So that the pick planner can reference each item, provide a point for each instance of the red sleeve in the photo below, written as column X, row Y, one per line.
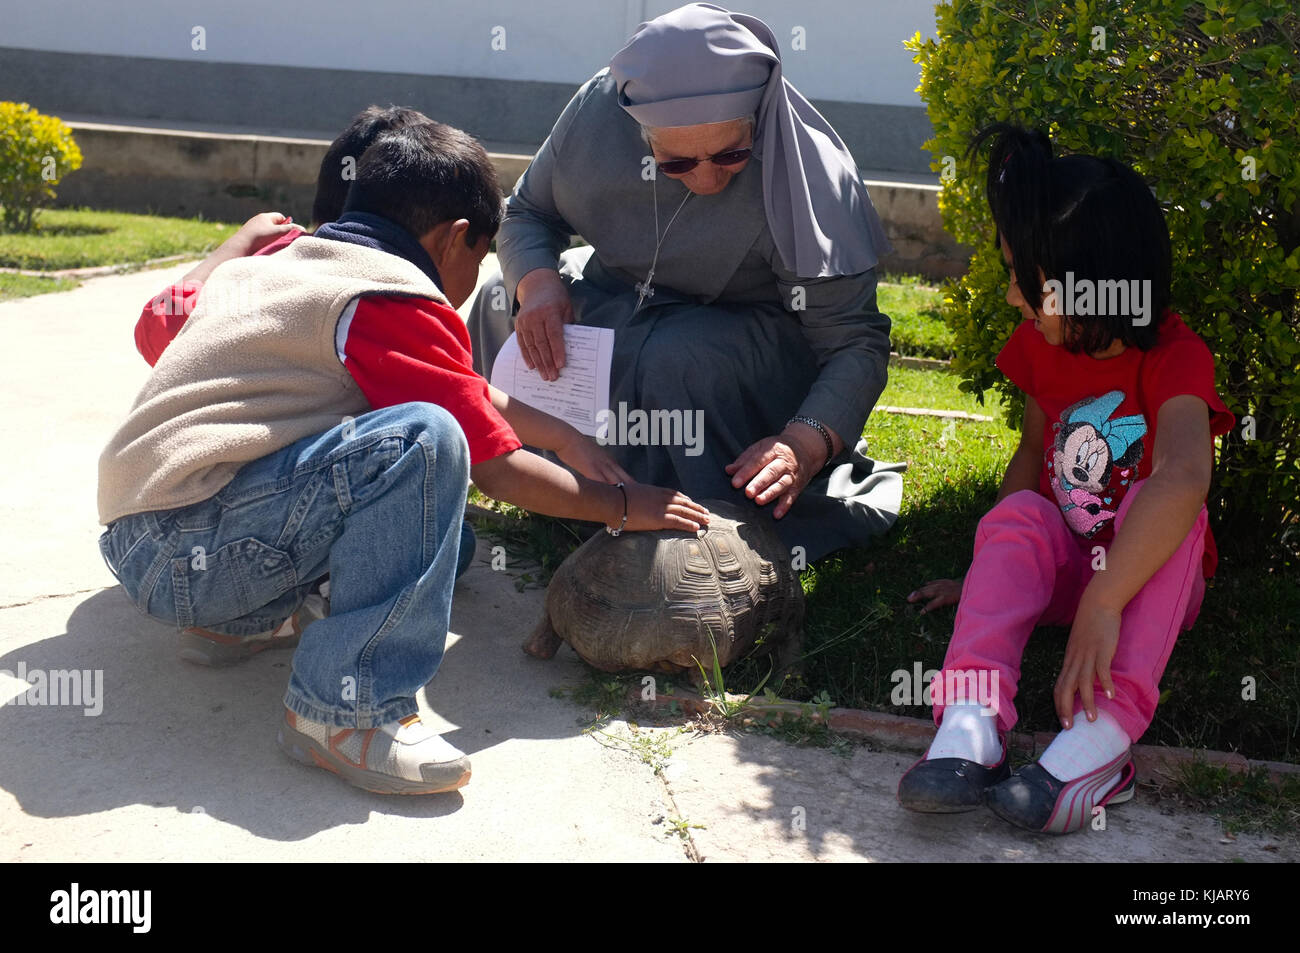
column 284, row 241
column 1015, row 360
column 163, row 317
column 1184, row 366
column 406, row 349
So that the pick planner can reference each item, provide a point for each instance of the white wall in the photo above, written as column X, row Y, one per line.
column 854, row 47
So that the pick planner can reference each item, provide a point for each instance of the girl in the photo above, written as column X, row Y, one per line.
column 1100, row 521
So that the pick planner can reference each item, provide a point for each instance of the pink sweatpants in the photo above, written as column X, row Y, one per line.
column 1029, row 569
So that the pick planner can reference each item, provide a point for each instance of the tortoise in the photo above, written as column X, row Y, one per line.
column 650, row 601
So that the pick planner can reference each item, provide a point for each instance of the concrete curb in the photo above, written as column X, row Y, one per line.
column 918, row 363
column 230, row 176
column 928, row 412
column 915, row 734
column 96, row 271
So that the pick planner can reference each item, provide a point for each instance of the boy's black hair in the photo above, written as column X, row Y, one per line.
column 426, row 174
column 1083, row 214
column 336, row 173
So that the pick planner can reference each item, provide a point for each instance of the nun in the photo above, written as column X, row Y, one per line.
column 732, row 247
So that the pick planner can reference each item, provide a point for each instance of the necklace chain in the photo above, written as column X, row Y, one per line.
column 645, row 289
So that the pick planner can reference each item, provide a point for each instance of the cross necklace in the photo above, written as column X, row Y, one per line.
column 645, row 289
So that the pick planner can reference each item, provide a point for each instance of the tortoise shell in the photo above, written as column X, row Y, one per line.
column 651, row 600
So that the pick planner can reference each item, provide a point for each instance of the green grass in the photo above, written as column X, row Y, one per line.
column 913, row 307
column 1245, row 803
column 935, row 389
column 81, row 238
column 24, row 286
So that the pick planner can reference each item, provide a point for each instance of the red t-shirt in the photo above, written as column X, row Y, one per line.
column 1099, row 438
column 398, row 349
column 164, row 315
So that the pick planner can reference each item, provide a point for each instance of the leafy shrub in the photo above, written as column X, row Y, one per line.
column 36, row 151
column 1202, row 100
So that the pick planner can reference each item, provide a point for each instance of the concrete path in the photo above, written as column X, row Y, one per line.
column 181, row 764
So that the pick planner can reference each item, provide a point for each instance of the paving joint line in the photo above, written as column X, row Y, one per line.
column 55, row 595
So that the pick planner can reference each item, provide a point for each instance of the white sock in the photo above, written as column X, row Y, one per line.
column 967, row 732
column 1085, row 747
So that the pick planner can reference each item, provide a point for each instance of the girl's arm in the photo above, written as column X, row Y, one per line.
column 1026, row 463
column 1155, row 526
column 539, row 429
column 1022, row 474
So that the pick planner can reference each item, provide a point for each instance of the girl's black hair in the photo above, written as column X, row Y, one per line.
column 336, row 174
column 1079, row 214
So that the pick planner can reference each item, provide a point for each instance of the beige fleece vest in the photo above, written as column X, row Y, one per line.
column 253, row 370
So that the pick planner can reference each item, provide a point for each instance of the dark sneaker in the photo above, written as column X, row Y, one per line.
column 949, row 785
column 1036, row 801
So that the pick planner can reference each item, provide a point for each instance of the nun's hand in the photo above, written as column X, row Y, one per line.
column 778, row 468
column 544, row 310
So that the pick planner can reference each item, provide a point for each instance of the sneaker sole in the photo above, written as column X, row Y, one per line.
column 197, row 650
column 305, row 749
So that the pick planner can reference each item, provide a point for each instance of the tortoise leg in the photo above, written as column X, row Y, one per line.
column 788, row 656
column 544, row 641
column 696, row 679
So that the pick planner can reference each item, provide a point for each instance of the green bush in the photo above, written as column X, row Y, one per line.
column 1197, row 98
column 36, row 151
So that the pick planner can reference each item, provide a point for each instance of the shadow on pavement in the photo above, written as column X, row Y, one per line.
column 203, row 740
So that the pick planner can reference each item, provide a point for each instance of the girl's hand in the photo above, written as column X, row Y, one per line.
column 1093, row 638
column 939, row 592
column 654, row 507
column 592, row 461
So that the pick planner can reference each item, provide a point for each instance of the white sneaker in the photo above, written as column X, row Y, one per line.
column 402, row 757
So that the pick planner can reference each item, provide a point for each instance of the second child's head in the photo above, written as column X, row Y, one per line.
column 437, row 183
column 338, row 167
column 1084, row 240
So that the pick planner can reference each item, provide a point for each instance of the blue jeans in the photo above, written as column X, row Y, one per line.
column 377, row 503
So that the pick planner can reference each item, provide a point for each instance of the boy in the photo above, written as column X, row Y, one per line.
column 165, row 314
column 318, row 413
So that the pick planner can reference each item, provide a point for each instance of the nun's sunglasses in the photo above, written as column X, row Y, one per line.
column 682, row 166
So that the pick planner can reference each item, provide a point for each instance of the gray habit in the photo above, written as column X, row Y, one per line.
column 729, row 331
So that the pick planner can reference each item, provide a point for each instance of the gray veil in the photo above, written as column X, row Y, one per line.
column 702, row 64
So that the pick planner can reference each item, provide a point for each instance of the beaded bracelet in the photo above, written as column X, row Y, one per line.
column 616, row 532
column 820, row 428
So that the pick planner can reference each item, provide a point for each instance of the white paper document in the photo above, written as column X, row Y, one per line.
column 582, row 390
